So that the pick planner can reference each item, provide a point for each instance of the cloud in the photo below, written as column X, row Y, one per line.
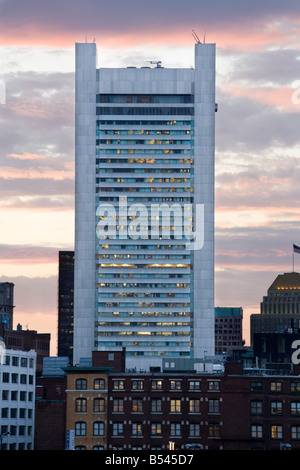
column 122, row 23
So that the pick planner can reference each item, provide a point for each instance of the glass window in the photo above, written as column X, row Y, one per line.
column 80, row 428
column 118, row 429
column 276, row 386
column 276, row 431
column 213, row 406
column 156, row 429
column 137, row 429
column 98, row 428
column 214, row 430
column 213, row 385
column 295, row 432
column 99, row 384
column 194, row 385
column 156, row 385
column 137, row 385
column 175, row 406
column 194, row 405
column 118, row 405
column 175, row 429
column 81, row 384
column 156, row 406
column 276, row 407
column 80, row 405
column 295, row 408
column 99, row 405
column 175, row 384
column 256, row 431
column 194, row 430
column 137, row 405
column 119, row 385
column 256, row 407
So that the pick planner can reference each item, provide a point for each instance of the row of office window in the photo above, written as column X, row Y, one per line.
column 276, row 408
column 137, row 405
column 138, row 384
column 137, row 429
column 257, row 431
column 275, row 386
column 17, row 378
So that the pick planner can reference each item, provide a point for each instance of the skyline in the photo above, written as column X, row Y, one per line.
column 257, row 134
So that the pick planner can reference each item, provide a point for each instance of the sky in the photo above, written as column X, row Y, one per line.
column 257, row 133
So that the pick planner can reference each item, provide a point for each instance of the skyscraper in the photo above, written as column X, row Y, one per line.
column 280, row 308
column 65, row 304
column 144, row 203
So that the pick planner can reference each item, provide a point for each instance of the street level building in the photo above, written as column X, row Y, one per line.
column 144, row 204
column 17, row 399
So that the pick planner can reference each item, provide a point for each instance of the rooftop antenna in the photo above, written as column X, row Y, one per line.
column 195, row 37
column 158, row 63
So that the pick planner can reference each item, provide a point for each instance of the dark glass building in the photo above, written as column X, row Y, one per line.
column 65, row 304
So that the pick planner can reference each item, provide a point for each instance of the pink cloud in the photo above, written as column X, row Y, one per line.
column 35, row 173
column 27, row 156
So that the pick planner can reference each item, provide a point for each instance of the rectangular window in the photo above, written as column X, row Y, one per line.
column 255, row 386
column 213, row 385
column 175, row 429
column 137, row 406
column 119, row 385
column 213, row 406
column 80, row 428
column 137, row 385
column 156, row 406
column 194, row 406
column 156, row 429
column 137, row 429
column 276, row 407
column 276, row 386
column 194, row 430
column 295, row 432
column 118, row 429
column 156, row 385
column 276, row 431
column 194, row 385
column 214, row 430
column 256, row 431
column 118, row 405
column 256, row 407
column 295, row 408
column 175, row 406
column 175, row 384
column 98, row 428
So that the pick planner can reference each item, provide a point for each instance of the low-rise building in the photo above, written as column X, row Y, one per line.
column 17, row 399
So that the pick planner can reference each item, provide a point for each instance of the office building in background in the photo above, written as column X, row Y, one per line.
column 65, row 304
column 144, row 204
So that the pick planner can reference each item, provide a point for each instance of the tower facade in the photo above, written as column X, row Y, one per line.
column 280, row 308
column 144, row 203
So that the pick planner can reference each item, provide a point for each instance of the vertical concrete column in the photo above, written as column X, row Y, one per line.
column 204, row 188
column 85, row 200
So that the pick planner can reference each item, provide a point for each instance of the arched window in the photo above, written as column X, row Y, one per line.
column 99, row 384
column 81, row 384
column 80, row 405
column 99, row 405
column 98, row 428
column 80, row 428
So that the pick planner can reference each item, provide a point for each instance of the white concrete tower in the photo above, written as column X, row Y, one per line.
column 144, row 159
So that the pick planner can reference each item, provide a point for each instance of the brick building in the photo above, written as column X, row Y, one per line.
column 239, row 409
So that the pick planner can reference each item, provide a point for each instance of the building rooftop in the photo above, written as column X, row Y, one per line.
column 286, row 281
